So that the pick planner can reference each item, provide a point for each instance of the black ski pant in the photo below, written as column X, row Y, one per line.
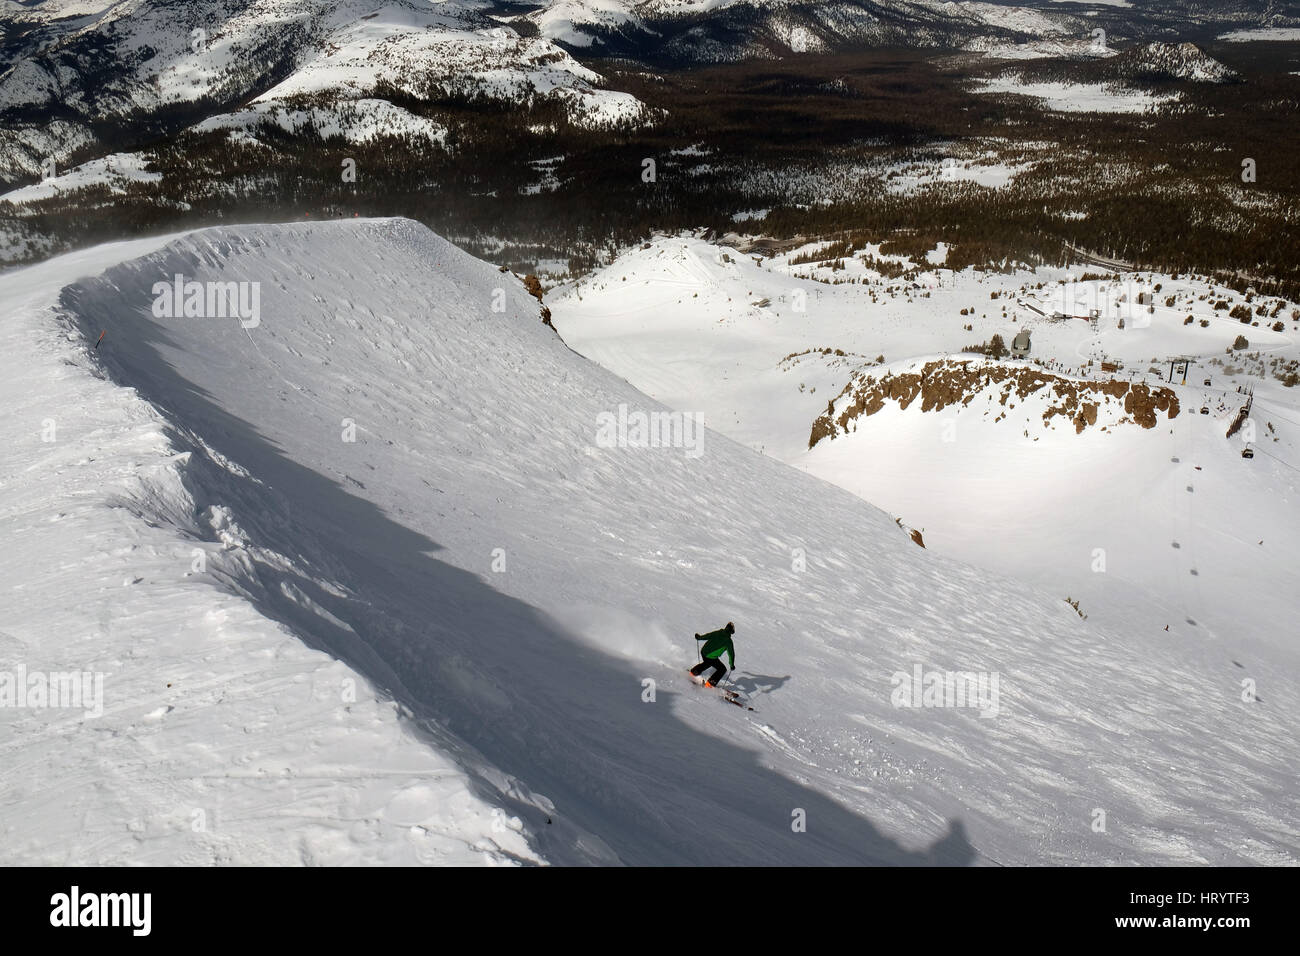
column 716, row 663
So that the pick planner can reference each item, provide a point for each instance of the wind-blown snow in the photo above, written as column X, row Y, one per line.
column 514, row 580
column 222, row 737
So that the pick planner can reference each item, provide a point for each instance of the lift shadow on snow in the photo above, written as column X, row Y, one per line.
column 546, row 725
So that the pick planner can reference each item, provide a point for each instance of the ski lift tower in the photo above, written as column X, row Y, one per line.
column 1180, row 366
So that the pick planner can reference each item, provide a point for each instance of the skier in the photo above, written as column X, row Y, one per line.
column 716, row 643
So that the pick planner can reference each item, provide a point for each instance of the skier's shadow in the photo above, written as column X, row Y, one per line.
column 755, row 684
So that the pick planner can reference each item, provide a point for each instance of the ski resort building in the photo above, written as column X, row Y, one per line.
column 1020, row 344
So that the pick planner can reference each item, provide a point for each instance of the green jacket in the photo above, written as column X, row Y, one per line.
column 717, row 643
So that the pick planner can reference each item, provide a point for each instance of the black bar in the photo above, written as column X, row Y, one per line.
column 382, row 907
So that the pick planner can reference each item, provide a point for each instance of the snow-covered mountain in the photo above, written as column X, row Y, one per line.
column 725, row 30
column 82, row 80
column 158, row 65
column 1137, row 64
column 380, row 452
column 1170, row 61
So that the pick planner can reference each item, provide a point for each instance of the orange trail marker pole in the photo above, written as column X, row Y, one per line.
column 101, row 338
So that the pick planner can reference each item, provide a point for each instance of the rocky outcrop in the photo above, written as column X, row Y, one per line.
column 534, row 287
column 944, row 383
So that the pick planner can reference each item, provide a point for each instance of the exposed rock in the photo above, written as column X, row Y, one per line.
column 534, row 287
column 945, row 383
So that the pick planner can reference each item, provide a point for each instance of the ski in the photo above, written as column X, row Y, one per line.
column 731, row 697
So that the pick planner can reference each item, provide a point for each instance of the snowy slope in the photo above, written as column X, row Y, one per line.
column 1191, row 535
column 480, row 553
column 215, row 735
column 357, row 121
